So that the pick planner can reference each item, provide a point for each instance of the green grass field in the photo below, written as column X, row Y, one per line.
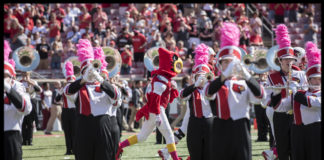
column 53, row 148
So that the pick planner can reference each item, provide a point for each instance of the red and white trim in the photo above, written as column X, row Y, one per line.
column 314, row 71
column 262, row 92
column 70, row 78
column 23, row 106
column 286, row 52
column 9, row 69
column 85, row 63
column 308, row 102
column 202, row 68
column 229, row 52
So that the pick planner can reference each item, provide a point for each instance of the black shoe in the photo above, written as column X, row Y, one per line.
column 69, row 152
column 24, row 143
column 261, row 140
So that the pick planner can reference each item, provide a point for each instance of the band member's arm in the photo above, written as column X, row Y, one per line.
column 74, row 87
column 20, row 99
column 58, row 97
column 214, row 86
column 110, row 90
column 255, row 87
column 309, row 101
column 186, row 92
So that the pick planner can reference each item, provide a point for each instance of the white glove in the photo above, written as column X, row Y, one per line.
column 229, row 70
column 88, row 75
column 97, row 76
column 158, row 120
column 276, row 91
column 293, row 86
column 244, row 71
column 60, row 91
column 200, row 81
column 7, row 85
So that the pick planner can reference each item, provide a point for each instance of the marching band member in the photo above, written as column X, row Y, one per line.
column 158, row 98
column 306, row 128
column 230, row 98
column 95, row 97
column 68, row 112
column 32, row 88
column 200, row 120
column 17, row 104
column 278, row 98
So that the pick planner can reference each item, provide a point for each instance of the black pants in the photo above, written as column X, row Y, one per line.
column 139, row 57
column 306, row 142
column 12, row 145
column 120, row 119
column 262, row 122
column 282, row 124
column 68, row 125
column 198, row 138
column 27, row 125
column 115, row 132
column 231, row 139
column 93, row 139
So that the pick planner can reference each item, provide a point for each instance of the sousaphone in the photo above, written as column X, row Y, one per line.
column 258, row 62
column 151, row 59
column 26, row 58
column 113, row 58
column 76, row 66
column 272, row 59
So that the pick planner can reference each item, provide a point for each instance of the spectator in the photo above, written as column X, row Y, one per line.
column 279, row 13
column 84, row 20
column 123, row 39
column 39, row 28
column 54, row 28
column 217, row 29
column 74, row 34
column 43, row 49
column 69, row 19
column 208, row 8
column 36, row 39
column 194, row 32
column 75, row 12
column 183, row 34
column 28, row 43
column 310, row 31
column 126, row 56
column 191, row 53
column 206, row 34
column 245, row 35
column 203, row 19
column 173, row 46
column 14, row 28
column 178, row 21
column 56, row 109
column 169, row 40
column 69, row 50
column 256, row 24
column 271, row 12
column 154, row 21
column 215, row 46
column 56, row 54
column 182, row 50
column 19, row 40
column 240, row 20
column 9, row 17
column 127, row 20
column 110, row 36
column 28, row 25
column 99, row 19
column 157, row 40
column 60, row 14
column 58, row 42
column 215, row 16
column 139, row 43
column 238, row 10
column 227, row 17
column 292, row 11
column 164, row 22
column 167, row 29
column 136, row 95
column 46, row 97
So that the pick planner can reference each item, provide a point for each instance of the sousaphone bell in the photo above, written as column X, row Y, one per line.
column 76, row 66
column 113, row 58
column 151, row 59
column 26, row 58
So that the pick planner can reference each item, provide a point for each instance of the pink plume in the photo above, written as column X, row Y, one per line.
column 7, row 50
column 282, row 36
column 69, row 69
column 313, row 54
column 12, row 62
column 85, row 50
column 201, row 56
column 100, row 55
column 230, row 35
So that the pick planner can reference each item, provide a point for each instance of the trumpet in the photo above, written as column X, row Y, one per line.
column 302, row 87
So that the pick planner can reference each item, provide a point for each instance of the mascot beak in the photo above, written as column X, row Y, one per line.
column 178, row 65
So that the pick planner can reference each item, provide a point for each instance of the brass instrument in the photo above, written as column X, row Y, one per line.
column 26, row 58
column 151, row 59
column 257, row 62
column 76, row 66
column 96, row 64
column 272, row 59
column 113, row 58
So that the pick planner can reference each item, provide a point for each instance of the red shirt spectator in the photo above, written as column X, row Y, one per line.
column 85, row 19
column 138, row 40
column 88, row 6
column 29, row 24
column 7, row 21
column 100, row 18
column 60, row 13
column 106, row 5
column 238, row 9
column 177, row 22
column 54, row 28
column 280, row 9
column 271, row 6
column 126, row 56
column 171, row 9
column 18, row 13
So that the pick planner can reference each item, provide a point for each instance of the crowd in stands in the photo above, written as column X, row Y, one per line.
column 54, row 29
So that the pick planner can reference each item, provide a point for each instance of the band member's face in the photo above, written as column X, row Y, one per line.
column 225, row 63
column 316, row 81
column 285, row 63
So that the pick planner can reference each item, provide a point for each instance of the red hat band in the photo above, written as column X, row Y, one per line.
column 230, row 52
column 284, row 52
column 200, row 69
column 70, row 78
column 314, row 71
